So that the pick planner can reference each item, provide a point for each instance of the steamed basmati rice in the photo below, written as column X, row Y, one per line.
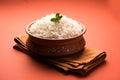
column 65, row 29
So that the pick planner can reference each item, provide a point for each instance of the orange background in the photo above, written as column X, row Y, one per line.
column 101, row 17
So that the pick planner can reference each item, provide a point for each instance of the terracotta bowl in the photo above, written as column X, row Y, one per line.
column 55, row 48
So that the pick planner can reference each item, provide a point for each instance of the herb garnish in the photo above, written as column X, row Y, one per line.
column 57, row 18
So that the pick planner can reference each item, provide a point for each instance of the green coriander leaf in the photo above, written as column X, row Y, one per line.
column 53, row 19
column 57, row 18
column 57, row 15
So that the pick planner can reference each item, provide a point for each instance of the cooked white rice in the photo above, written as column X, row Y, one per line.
column 66, row 28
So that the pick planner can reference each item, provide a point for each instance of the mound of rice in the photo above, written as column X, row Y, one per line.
column 65, row 29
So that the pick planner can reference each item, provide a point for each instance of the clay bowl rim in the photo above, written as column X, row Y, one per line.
column 30, row 34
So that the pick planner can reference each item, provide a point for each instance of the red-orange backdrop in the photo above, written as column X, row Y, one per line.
column 102, row 33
